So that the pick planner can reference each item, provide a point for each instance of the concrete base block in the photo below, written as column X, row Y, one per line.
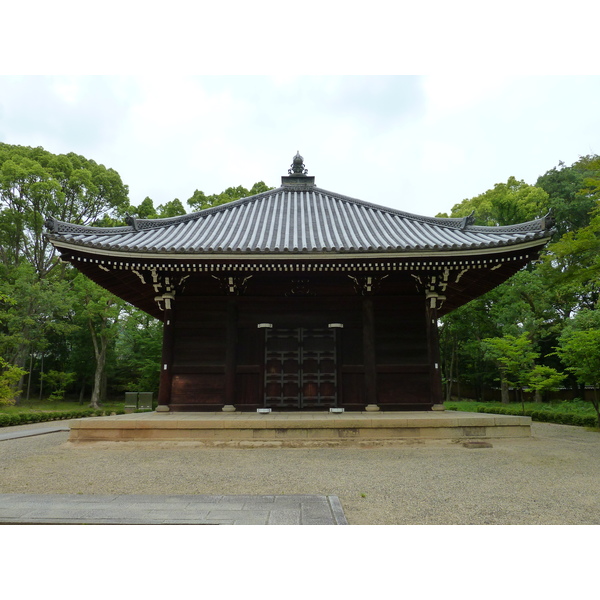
column 162, row 408
column 359, row 428
column 228, row 408
column 372, row 408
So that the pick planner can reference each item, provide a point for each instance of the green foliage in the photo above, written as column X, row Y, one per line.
column 9, row 377
column 58, row 381
column 545, row 379
column 26, row 417
column 563, row 413
column 99, row 312
column 544, row 300
column 505, row 204
column 200, row 201
column 171, row 209
column 34, row 312
column 579, row 347
column 36, row 184
column 572, row 193
column 146, row 209
column 514, row 356
column 139, row 347
column 573, row 262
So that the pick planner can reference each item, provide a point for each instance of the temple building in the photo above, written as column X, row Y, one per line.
column 299, row 298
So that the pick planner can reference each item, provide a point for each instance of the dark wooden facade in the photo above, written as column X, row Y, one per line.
column 294, row 351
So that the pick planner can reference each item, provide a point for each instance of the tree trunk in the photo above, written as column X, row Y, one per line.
column 100, row 347
column 450, row 373
column 538, row 396
column 100, row 362
column 42, row 377
column 29, row 376
column 82, row 391
column 505, row 398
column 103, row 388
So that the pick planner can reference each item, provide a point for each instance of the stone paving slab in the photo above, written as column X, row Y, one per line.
column 12, row 435
column 66, row 509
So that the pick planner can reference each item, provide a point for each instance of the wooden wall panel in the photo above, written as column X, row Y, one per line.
column 403, row 391
column 198, row 389
column 248, row 390
column 352, row 392
column 400, row 333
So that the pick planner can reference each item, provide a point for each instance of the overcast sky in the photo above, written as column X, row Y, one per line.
column 416, row 143
column 419, row 143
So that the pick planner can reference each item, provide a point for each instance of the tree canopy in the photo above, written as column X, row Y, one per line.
column 35, row 184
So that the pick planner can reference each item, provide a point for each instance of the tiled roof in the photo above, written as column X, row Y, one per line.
column 295, row 219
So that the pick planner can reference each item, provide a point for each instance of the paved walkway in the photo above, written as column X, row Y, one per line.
column 66, row 509
column 13, row 435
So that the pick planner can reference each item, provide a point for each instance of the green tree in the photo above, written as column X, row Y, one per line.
column 9, row 377
column 514, row 358
column 58, row 381
column 145, row 210
column 139, row 348
column 572, row 193
column 200, row 201
column 33, row 312
column 461, row 333
column 579, row 349
column 100, row 312
column 540, row 300
column 36, row 184
column 544, row 379
column 505, row 204
column 174, row 208
column 573, row 263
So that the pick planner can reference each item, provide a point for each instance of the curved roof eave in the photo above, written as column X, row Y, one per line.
column 302, row 256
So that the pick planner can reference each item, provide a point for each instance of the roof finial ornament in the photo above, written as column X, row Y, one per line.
column 297, row 165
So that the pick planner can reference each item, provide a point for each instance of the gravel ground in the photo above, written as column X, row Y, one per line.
column 552, row 478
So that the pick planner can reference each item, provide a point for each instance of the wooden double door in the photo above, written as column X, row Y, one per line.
column 300, row 368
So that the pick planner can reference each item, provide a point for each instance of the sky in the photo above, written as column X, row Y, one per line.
column 415, row 143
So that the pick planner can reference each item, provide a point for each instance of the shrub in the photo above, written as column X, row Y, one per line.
column 9, row 377
column 544, row 415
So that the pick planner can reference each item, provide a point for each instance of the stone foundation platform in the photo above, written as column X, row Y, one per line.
column 296, row 429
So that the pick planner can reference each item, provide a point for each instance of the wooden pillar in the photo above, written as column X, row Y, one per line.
column 369, row 360
column 230, row 351
column 166, row 366
column 433, row 349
